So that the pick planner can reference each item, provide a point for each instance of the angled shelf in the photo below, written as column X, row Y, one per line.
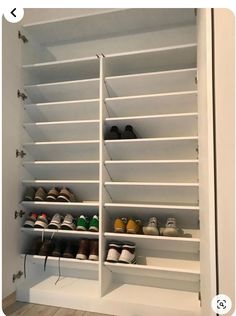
column 164, row 125
column 152, row 104
column 83, row 170
column 60, row 232
column 63, row 130
column 63, row 91
column 153, row 148
column 153, row 82
column 65, row 70
column 64, row 111
column 66, row 150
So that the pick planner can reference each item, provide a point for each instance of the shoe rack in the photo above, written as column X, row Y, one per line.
column 126, row 67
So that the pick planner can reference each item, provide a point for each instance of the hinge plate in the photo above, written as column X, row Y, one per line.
column 20, row 153
column 19, row 213
column 21, row 95
column 22, row 37
column 16, row 276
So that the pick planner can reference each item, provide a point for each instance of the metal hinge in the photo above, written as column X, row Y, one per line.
column 196, row 79
column 21, row 95
column 19, row 213
column 200, row 298
column 22, row 37
column 20, row 153
column 195, row 12
column 17, row 275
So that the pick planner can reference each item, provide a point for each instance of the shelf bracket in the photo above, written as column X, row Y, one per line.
column 16, row 276
column 21, row 95
column 20, row 153
column 22, row 37
column 19, row 213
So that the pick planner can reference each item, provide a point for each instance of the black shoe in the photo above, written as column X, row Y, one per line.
column 128, row 133
column 29, row 194
column 35, row 246
column 47, row 248
column 70, row 250
column 114, row 133
column 58, row 249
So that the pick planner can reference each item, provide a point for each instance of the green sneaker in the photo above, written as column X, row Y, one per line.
column 82, row 223
column 94, row 224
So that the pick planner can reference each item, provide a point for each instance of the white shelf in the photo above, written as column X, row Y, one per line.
column 74, row 208
column 66, row 150
column 166, row 268
column 62, row 131
column 64, row 262
column 109, row 24
column 63, row 91
column 64, row 111
column 65, row 70
column 83, row 190
column 80, row 170
column 165, row 125
column 153, row 192
column 153, row 170
column 187, row 215
column 153, row 148
column 61, row 232
column 153, row 82
column 157, row 59
column 161, row 243
column 163, row 103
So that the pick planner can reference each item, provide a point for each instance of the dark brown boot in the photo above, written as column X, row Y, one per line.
column 83, row 251
column 93, row 255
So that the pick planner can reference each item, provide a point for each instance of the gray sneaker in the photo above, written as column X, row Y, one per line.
column 68, row 223
column 171, row 229
column 152, row 228
column 56, row 221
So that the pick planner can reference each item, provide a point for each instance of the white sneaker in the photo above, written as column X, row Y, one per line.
column 56, row 221
column 114, row 251
column 171, row 229
column 152, row 227
column 128, row 253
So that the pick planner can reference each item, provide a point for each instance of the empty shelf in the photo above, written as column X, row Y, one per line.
column 151, row 104
column 153, row 148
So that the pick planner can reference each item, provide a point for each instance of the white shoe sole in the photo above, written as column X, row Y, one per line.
column 150, row 231
column 93, row 257
column 93, row 229
column 29, row 223
column 82, row 228
column 39, row 224
column 81, row 256
column 171, row 232
column 54, row 226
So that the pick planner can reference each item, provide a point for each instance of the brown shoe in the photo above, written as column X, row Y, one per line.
column 83, row 251
column 52, row 195
column 93, row 250
column 40, row 194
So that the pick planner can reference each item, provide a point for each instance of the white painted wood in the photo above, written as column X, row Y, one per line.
column 153, row 148
column 66, row 150
column 153, row 170
column 80, row 170
column 153, row 192
column 164, row 103
column 159, row 59
column 152, row 82
column 64, row 262
column 63, row 111
column 63, row 91
column 159, row 271
column 206, row 156
column 108, row 24
column 63, row 130
column 83, row 190
column 60, row 232
column 165, row 125
column 56, row 71
column 186, row 215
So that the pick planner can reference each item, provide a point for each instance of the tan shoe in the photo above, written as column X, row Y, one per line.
column 120, row 225
column 134, row 226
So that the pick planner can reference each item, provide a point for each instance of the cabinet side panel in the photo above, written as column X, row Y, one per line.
column 11, row 120
column 206, row 161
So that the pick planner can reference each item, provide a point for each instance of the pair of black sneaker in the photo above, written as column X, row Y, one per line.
column 115, row 133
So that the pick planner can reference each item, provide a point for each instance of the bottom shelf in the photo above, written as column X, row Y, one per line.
column 121, row 299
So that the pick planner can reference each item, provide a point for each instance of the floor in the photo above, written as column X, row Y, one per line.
column 26, row 309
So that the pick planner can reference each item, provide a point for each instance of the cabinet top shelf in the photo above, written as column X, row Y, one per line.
column 114, row 23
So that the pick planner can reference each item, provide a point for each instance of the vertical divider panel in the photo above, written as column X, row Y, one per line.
column 104, row 273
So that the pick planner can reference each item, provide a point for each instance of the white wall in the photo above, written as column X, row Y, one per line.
column 225, row 141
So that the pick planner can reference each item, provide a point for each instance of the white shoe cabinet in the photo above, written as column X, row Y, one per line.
column 150, row 68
